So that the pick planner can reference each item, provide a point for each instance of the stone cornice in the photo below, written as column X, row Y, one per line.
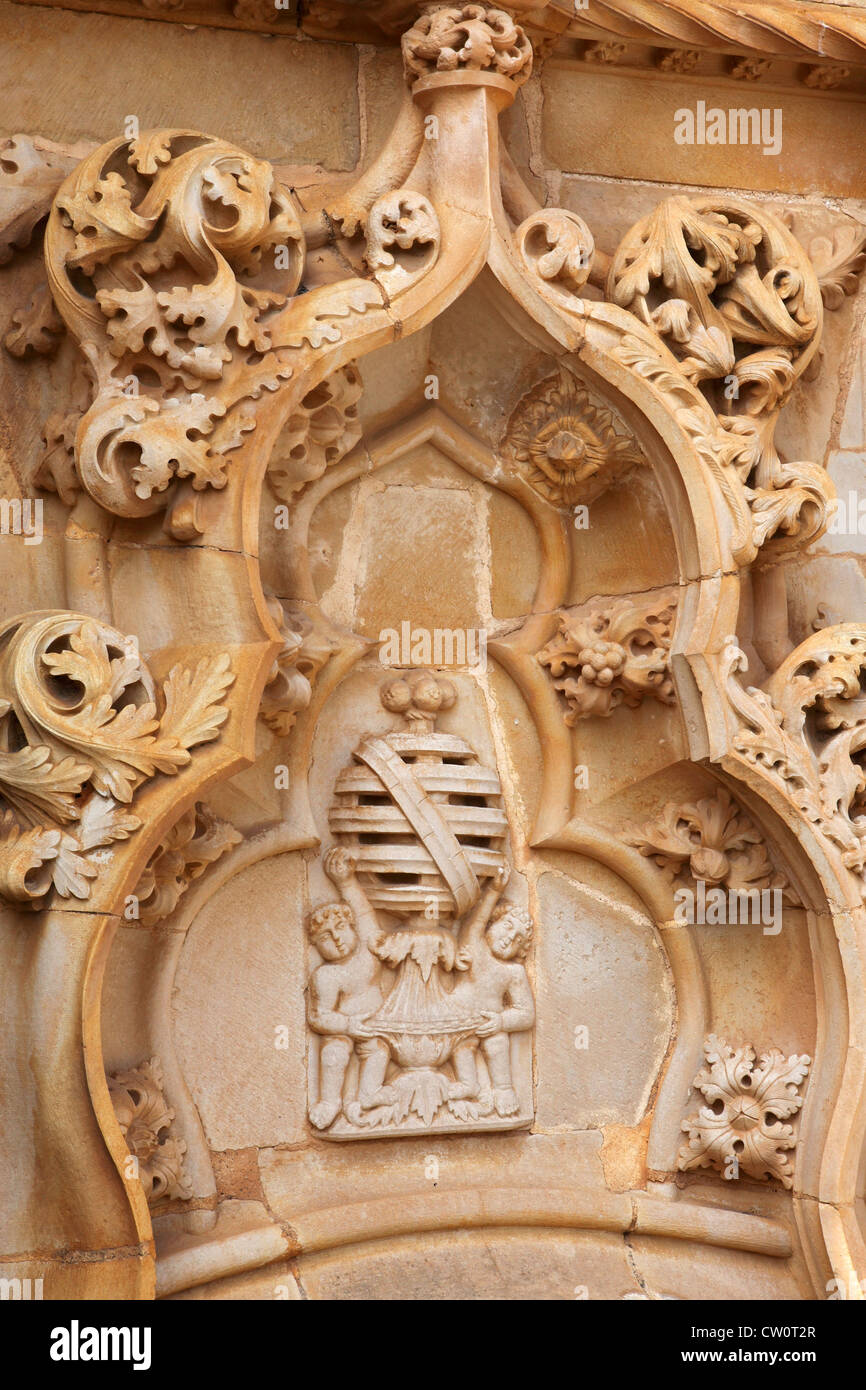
column 830, row 32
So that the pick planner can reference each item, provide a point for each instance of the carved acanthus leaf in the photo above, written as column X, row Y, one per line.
column 80, row 730
column 604, row 658
column 35, row 328
column 712, row 840
column 806, row 731
column 145, row 1121
column 194, row 842
column 706, row 253
column 838, row 260
column 401, row 221
column 557, row 248
column 734, row 297
column 741, row 1129
column 30, row 175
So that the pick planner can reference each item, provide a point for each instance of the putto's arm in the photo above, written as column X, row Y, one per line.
column 520, row 1013
column 472, row 930
column 340, row 868
column 322, row 1014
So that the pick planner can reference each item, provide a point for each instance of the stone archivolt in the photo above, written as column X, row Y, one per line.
column 220, row 324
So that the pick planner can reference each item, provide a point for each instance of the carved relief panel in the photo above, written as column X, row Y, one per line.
column 423, row 991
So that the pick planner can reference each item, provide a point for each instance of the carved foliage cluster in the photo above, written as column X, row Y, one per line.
column 194, row 842
column 806, row 732
column 735, row 299
column 748, row 1101
column 145, row 1122
column 82, row 726
column 467, row 38
column 603, row 658
column 712, row 840
column 318, row 433
column 162, row 257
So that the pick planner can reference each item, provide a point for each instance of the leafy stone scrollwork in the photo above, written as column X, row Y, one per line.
column 734, row 297
column 82, row 726
column 427, row 1043
column 145, row 1122
column 557, row 247
column 605, row 658
column 156, row 257
column 196, row 840
column 566, row 447
column 404, row 220
column 467, row 38
column 838, row 256
column 712, row 840
column 289, row 686
column 30, row 174
column 37, row 327
column 806, row 731
column 748, row 1101
column 318, row 433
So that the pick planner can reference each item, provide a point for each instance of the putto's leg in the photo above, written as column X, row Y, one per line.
column 333, row 1061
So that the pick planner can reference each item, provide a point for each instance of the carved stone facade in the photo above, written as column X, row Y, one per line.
column 432, row 553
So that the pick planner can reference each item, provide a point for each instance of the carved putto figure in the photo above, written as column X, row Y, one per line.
column 422, row 989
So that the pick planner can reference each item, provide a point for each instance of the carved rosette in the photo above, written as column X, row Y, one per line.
column 601, row 659
column 741, row 1130
column 567, row 447
column 168, row 257
column 82, row 726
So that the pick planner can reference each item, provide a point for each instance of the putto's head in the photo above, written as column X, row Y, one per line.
column 509, row 932
column 331, row 928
